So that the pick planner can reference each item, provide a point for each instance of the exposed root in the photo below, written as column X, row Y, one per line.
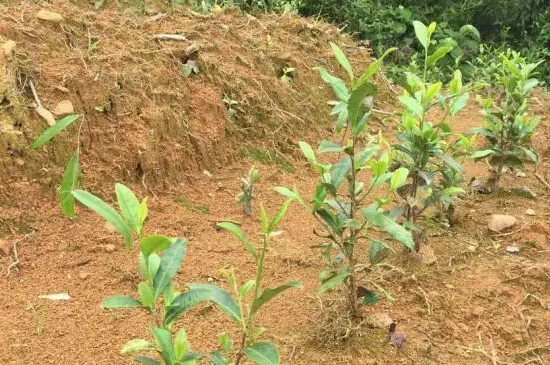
column 335, row 323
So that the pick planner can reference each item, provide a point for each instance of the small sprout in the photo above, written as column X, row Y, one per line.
column 288, row 74
column 246, row 196
column 190, row 67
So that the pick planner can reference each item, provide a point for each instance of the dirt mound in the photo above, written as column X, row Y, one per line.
column 143, row 119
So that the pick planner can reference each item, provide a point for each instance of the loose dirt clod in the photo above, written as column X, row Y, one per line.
column 500, row 222
column 9, row 48
column 64, row 107
column 5, row 247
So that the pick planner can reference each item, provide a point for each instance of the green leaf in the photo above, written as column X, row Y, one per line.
column 264, row 218
column 107, row 212
column 181, row 345
column 218, row 359
column 246, row 288
column 431, row 92
column 71, row 177
column 332, row 280
column 376, row 250
column 136, row 345
column 340, row 171
column 482, row 154
column 279, row 216
column 200, row 293
column 129, row 206
column 164, row 343
column 337, row 85
column 153, row 266
column 169, row 264
column 237, row 232
column 370, row 298
column 399, row 178
column 470, row 30
column 530, row 154
column 355, row 104
column 288, row 193
column 146, row 360
column 146, row 295
column 422, row 34
column 263, row 353
column 120, row 301
column 437, row 55
column 54, row 130
column 142, row 212
column 449, row 161
column 459, row 104
column 342, row 59
column 151, row 244
column 412, row 105
column 394, row 229
column 308, row 152
column 269, row 293
column 455, row 85
column 373, row 68
column 329, row 146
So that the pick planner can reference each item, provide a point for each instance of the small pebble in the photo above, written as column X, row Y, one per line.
column 530, row 212
column 83, row 275
column 110, row 247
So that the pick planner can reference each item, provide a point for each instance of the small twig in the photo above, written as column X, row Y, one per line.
column 541, row 179
column 292, row 354
column 14, row 264
column 36, row 98
column 169, row 37
column 510, row 233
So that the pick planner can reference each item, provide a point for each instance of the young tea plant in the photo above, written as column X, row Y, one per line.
column 160, row 259
column 508, row 126
column 71, row 176
column 340, row 202
column 426, row 147
column 246, row 196
column 251, row 297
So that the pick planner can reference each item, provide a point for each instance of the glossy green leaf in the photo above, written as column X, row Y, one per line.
column 153, row 266
column 394, row 229
column 431, row 92
column 332, row 280
column 530, row 154
column 340, row 171
column 412, row 105
column 342, row 60
column 136, row 345
column 337, row 85
column 264, row 218
column 449, row 161
column 329, row 146
column 142, row 212
column 181, row 345
column 107, row 212
column 356, row 105
column 236, row 231
column 437, row 55
column 54, row 130
column 421, row 32
column 262, row 353
column 146, row 360
column 373, row 68
column 151, row 244
column 482, row 154
column 169, row 264
column 459, row 103
column 269, row 293
column 146, row 295
column 70, row 181
column 308, row 152
column 281, row 212
column 218, row 359
column 198, row 293
column 399, row 178
column 120, row 301
column 163, row 339
column 129, row 206
column 288, row 193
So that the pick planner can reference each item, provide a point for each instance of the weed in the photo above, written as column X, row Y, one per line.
column 288, row 75
column 267, row 157
column 509, row 128
column 246, row 196
column 344, row 214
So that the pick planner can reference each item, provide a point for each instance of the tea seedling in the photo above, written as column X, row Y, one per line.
column 341, row 210
column 249, row 346
column 288, row 75
column 71, row 175
column 246, row 196
column 508, row 128
column 426, row 147
column 160, row 259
